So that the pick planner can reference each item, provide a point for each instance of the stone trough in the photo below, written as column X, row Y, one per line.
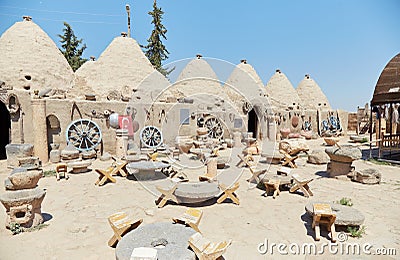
column 23, row 207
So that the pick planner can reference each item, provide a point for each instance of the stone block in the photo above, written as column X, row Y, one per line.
column 15, row 151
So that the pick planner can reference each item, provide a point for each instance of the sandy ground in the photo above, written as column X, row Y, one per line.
column 77, row 210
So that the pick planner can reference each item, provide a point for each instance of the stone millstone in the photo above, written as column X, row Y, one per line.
column 172, row 237
column 344, row 153
column 196, row 192
column 318, row 157
column 70, row 152
column 20, row 179
column 90, row 154
column 30, row 162
column 345, row 215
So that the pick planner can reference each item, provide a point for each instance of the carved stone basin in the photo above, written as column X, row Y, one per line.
column 23, row 207
column 20, row 179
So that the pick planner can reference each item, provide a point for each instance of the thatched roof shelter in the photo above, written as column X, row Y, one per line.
column 31, row 60
column 311, row 94
column 387, row 89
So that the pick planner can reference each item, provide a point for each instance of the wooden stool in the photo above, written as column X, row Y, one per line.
column 61, row 168
column 229, row 193
column 272, row 186
column 121, row 224
column 323, row 215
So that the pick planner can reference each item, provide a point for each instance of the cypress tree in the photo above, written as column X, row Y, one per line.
column 70, row 47
column 155, row 50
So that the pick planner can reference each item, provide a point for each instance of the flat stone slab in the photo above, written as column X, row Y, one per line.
column 367, row 176
column 359, row 138
column 146, row 165
column 285, row 180
column 174, row 237
column 345, row 215
column 275, row 158
column 79, row 166
column 196, row 192
column 345, row 153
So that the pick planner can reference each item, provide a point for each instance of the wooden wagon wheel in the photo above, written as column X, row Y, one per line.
column 84, row 134
column 151, row 136
column 214, row 126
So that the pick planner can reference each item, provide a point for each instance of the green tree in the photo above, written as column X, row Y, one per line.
column 155, row 50
column 70, row 47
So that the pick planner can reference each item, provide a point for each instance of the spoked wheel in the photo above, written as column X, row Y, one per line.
column 84, row 134
column 151, row 136
column 214, row 126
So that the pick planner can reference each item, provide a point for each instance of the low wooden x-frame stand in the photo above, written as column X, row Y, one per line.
column 229, row 192
column 301, row 184
column 288, row 159
column 104, row 176
column 166, row 195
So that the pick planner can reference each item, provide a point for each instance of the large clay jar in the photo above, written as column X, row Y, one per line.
column 285, row 132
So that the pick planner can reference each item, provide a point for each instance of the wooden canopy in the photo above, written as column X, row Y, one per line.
column 387, row 89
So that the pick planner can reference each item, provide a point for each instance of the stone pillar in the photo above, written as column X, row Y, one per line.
column 40, row 129
column 272, row 130
column 212, row 166
column 237, row 139
column 121, row 142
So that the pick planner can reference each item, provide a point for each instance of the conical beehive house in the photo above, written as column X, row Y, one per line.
column 245, row 80
column 31, row 60
column 281, row 92
column 122, row 71
column 311, row 94
column 197, row 78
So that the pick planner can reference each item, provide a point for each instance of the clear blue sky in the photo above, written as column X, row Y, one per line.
column 343, row 44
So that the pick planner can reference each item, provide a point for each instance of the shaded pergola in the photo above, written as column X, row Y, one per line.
column 387, row 92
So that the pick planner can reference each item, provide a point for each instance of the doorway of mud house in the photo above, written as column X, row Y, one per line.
column 5, row 125
column 252, row 123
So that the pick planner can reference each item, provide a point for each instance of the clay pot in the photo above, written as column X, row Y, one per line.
column 285, row 132
column 202, row 131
